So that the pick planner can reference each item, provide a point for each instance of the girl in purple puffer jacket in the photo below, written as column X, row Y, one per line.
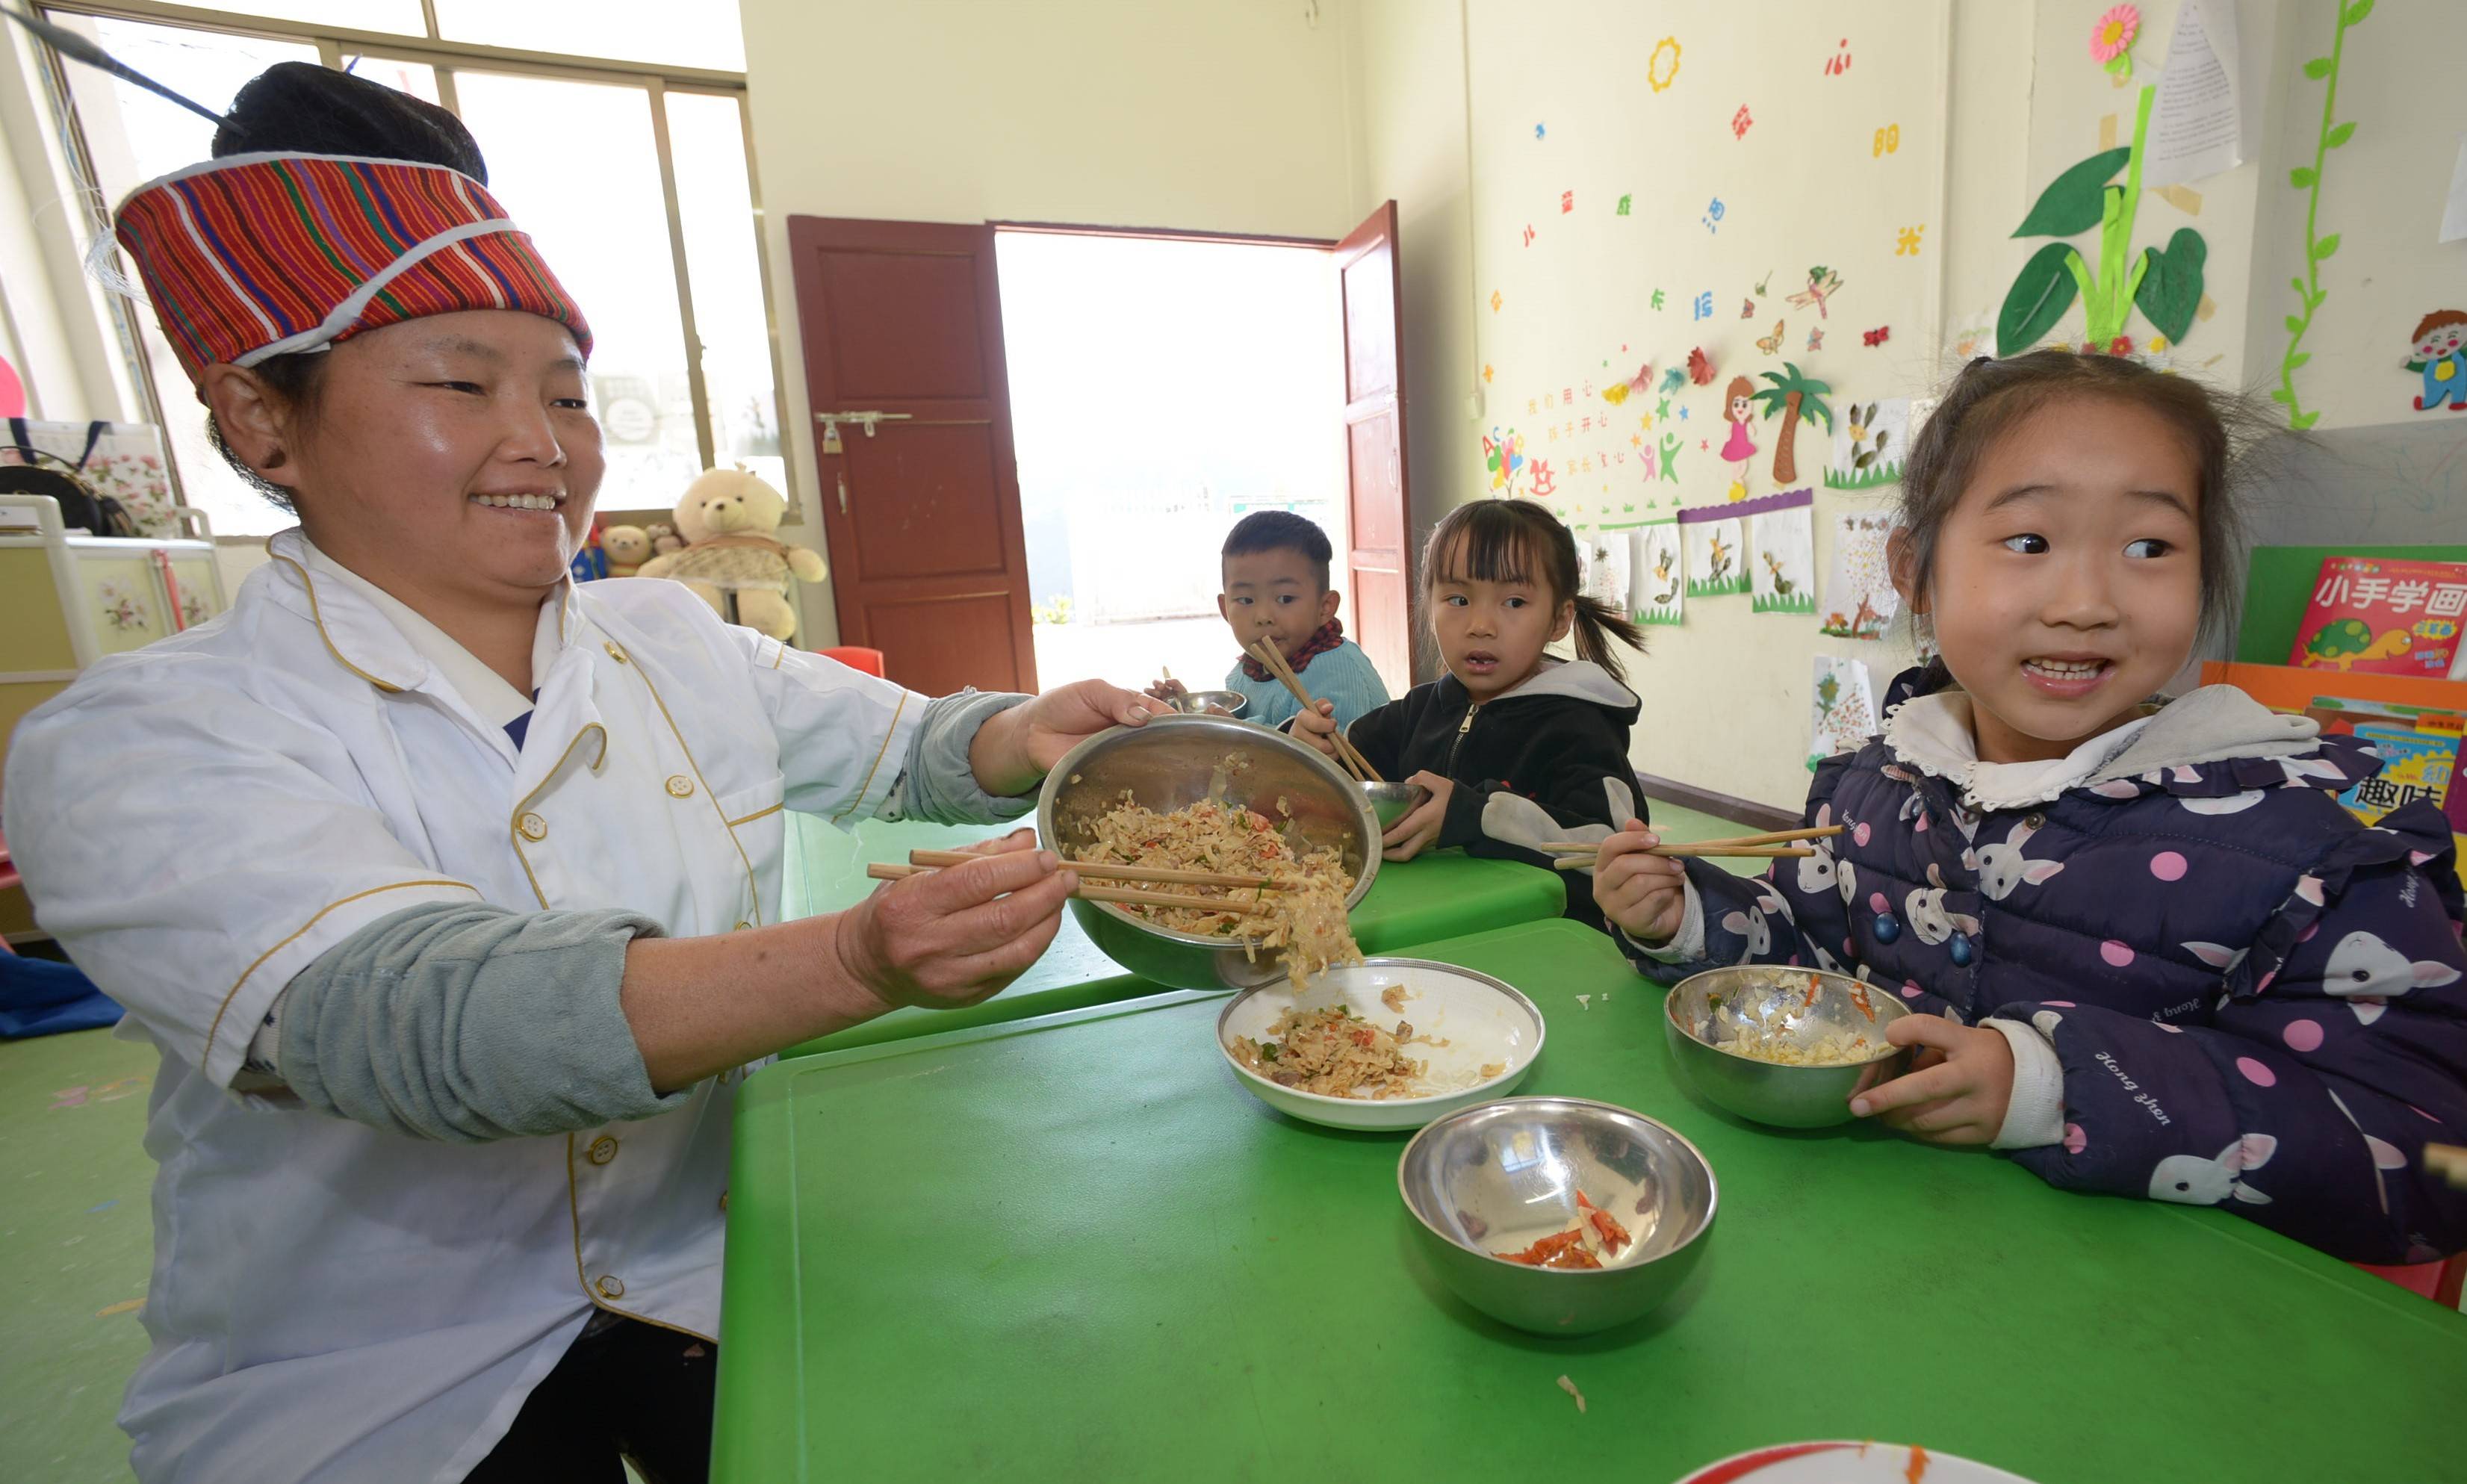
column 2157, row 957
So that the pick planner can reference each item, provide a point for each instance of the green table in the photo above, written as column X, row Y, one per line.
column 1411, row 902
column 1073, row 1249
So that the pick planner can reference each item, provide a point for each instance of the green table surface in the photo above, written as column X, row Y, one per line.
column 1410, row 902
column 1073, row 1249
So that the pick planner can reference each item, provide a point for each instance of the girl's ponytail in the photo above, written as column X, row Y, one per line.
column 1597, row 624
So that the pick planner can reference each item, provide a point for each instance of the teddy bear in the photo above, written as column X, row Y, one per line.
column 628, row 547
column 664, row 538
column 726, row 517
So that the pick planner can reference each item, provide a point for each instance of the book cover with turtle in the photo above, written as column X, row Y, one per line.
column 2378, row 616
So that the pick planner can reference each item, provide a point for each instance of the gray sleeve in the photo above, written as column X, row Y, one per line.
column 938, row 783
column 464, row 1022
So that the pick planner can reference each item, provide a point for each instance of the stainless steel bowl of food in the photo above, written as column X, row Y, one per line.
column 1505, row 1177
column 1173, row 762
column 1209, row 702
column 1392, row 801
column 1781, row 1045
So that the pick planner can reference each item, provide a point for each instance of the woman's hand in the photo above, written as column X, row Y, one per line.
column 1316, row 725
column 1015, row 749
column 1645, row 894
column 1959, row 1091
column 955, row 936
column 1414, row 833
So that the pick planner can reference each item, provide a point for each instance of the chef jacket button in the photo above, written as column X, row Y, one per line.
column 610, row 1285
column 680, row 786
column 533, row 827
column 602, row 1150
column 614, row 653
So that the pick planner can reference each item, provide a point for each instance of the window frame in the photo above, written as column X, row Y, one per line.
column 445, row 56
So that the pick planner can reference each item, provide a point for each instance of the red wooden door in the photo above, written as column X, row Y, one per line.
column 1380, row 561
column 928, row 561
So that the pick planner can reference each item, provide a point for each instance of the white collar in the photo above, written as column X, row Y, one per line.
column 480, row 688
column 1935, row 733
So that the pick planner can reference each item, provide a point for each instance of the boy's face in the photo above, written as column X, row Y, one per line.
column 1275, row 596
column 2440, row 341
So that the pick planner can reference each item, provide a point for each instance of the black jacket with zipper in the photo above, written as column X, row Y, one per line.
column 1546, row 761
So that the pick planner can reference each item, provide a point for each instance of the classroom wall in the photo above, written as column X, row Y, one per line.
column 1994, row 99
column 1213, row 115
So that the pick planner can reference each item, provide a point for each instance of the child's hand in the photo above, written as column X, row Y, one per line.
column 1645, row 894
column 1316, row 725
column 1961, row 1090
column 1414, row 833
column 1166, row 689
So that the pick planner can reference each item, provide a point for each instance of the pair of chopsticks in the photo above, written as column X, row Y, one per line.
column 884, row 870
column 1268, row 655
column 1772, row 845
column 1165, row 874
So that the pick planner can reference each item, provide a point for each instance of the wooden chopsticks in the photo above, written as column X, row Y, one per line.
column 1351, row 755
column 1774, row 844
column 885, row 871
column 1157, row 873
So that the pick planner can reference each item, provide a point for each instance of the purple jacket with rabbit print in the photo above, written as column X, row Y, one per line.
column 2256, row 1001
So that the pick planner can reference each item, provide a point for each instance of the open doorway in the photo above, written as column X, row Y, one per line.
column 1161, row 389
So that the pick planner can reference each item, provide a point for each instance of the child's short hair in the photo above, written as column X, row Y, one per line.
column 2437, row 319
column 1516, row 540
column 1991, row 397
column 1279, row 530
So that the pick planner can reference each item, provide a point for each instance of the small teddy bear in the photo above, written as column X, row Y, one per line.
column 664, row 538
column 628, row 547
column 727, row 517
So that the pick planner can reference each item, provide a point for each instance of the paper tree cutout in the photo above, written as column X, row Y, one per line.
column 1793, row 395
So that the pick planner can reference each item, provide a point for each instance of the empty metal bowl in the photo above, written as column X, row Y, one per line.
column 1174, row 761
column 1499, row 1176
column 1207, row 702
column 1706, row 1012
column 1392, row 801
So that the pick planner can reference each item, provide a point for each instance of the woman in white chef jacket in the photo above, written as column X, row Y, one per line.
column 445, row 887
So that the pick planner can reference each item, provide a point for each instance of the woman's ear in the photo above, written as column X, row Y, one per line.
column 254, row 421
column 1901, row 560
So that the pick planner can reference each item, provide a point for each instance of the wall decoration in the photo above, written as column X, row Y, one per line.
column 2166, row 286
column 1762, row 281
column 2112, row 39
column 1816, row 340
column 1822, row 283
column 2438, row 336
column 1606, row 572
column 1873, row 338
column 1794, row 396
column 1841, row 62
column 1869, row 444
column 1781, row 566
column 1625, row 202
column 1712, row 217
column 1567, row 202
column 1700, row 367
column 1740, row 123
column 2197, row 126
column 1859, row 598
column 1670, row 446
column 1771, row 345
column 1843, row 716
column 1705, row 305
column 1889, row 141
column 1495, row 300
column 1713, row 556
column 1504, row 455
column 1671, row 381
column 1906, row 242
column 1661, row 69
column 1658, row 574
column 1528, row 234
column 2307, row 178
column 1738, row 406
column 1544, row 483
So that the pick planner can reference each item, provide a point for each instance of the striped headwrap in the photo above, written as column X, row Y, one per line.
column 258, row 254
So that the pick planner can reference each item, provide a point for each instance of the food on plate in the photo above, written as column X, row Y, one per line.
column 1775, row 1040
column 1306, row 921
column 1597, row 1234
column 1336, row 1053
column 1780, row 1045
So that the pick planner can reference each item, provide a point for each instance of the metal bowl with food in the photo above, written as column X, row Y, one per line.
column 1781, row 1045
column 1392, row 801
column 1209, row 702
column 1492, row 1184
column 1176, row 761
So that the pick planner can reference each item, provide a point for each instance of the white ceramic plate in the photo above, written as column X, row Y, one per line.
column 1483, row 1019
column 1847, row 1463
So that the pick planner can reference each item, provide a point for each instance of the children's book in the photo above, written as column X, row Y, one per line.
column 2372, row 615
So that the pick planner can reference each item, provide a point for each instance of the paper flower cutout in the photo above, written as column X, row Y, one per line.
column 1661, row 69
column 2111, row 40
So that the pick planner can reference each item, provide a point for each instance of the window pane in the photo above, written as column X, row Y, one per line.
column 134, row 135
column 397, row 16
column 702, row 34
column 417, row 78
column 716, row 202
column 576, row 166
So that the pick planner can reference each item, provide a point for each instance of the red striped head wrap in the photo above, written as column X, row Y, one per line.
column 260, row 254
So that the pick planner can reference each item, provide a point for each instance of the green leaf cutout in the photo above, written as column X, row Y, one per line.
column 2297, row 361
column 2302, row 420
column 2072, row 201
column 2318, row 68
column 2325, row 247
column 2172, row 288
column 2339, row 135
column 2294, row 325
column 2039, row 296
column 2356, row 12
column 2301, row 178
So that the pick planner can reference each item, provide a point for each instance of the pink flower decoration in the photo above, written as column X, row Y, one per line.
column 2113, row 37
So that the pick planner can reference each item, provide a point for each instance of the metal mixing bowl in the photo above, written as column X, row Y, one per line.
column 1203, row 703
column 1174, row 761
column 1498, row 1177
column 1392, row 801
column 1705, row 1010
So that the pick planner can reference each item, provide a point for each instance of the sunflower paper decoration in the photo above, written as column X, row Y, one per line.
column 2111, row 40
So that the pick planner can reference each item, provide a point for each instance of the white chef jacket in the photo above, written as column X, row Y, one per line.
column 199, row 819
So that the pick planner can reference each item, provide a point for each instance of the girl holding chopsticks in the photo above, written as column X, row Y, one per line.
column 1519, row 749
